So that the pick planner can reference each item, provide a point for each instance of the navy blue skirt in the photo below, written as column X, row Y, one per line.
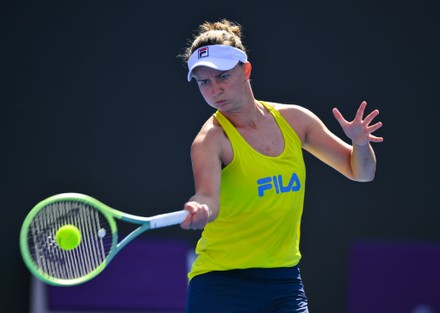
column 249, row 290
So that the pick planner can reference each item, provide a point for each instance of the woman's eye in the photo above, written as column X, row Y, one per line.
column 223, row 76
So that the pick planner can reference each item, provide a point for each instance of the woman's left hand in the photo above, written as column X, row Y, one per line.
column 359, row 130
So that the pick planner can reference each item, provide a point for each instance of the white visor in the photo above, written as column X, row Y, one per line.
column 219, row 57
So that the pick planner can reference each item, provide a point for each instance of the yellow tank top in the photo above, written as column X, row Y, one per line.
column 261, row 204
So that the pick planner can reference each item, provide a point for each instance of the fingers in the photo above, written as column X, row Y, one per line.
column 374, row 127
column 375, row 139
column 359, row 115
column 361, row 110
column 359, row 129
column 198, row 215
column 338, row 116
column 371, row 116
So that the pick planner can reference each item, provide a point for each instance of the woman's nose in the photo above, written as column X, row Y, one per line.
column 217, row 90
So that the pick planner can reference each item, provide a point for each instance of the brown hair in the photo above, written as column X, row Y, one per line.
column 223, row 32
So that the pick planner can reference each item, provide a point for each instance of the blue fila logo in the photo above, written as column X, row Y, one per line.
column 203, row 52
column 277, row 183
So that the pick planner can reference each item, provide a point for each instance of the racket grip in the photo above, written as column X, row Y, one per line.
column 168, row 219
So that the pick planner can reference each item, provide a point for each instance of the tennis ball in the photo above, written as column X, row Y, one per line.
column 68, row 237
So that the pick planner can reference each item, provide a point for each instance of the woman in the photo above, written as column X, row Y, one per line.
column 249, row 181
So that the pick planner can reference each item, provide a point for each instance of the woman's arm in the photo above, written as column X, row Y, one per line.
column 356, row 161
column 203, row 206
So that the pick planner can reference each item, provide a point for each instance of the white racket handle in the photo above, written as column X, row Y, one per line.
column 168, row 219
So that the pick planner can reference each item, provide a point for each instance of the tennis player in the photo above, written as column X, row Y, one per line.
column 250, row 178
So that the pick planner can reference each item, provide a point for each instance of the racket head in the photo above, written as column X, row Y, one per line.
column 60, row 267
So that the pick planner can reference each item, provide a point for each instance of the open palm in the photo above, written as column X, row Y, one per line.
column 359, row 129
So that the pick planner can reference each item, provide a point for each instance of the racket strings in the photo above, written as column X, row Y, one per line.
column 80, row 261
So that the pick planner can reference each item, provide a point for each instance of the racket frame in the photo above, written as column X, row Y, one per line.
column 145, row 223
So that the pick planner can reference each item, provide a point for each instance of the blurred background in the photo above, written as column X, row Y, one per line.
column 94, row 100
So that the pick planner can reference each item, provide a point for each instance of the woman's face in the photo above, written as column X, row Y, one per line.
column 223, row 90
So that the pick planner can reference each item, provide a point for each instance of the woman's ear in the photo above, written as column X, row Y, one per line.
column 247, row 70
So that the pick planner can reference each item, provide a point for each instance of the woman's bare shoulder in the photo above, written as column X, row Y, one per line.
column 210, row 136
column 212, row 140
column 299, row 118
column 289, row 108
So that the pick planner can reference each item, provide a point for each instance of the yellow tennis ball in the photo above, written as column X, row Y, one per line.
column 68, row 237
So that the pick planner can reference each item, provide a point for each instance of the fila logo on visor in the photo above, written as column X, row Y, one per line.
column 203, row 52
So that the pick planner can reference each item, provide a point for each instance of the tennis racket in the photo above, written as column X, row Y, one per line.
column 95, row 229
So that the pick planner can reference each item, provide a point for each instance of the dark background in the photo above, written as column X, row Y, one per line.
column 95, row 101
